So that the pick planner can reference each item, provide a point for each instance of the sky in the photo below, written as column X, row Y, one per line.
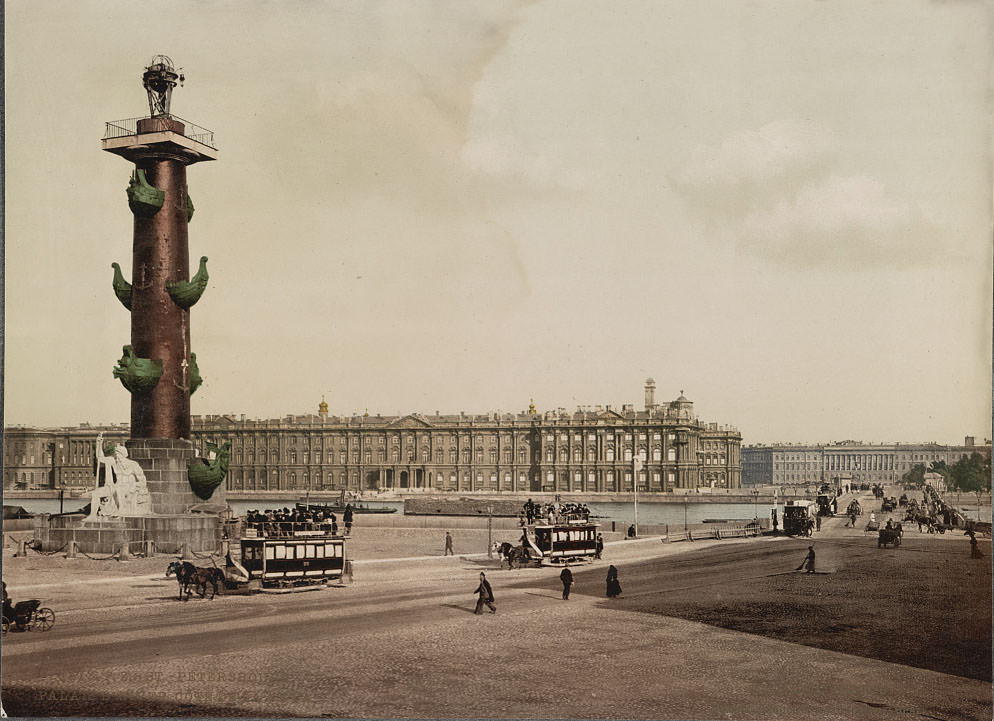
column 780, row 209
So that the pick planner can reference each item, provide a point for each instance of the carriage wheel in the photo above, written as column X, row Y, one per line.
column 6, row 626
column 43, row 620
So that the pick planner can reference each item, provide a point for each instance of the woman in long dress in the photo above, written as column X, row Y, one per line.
column 613, row 587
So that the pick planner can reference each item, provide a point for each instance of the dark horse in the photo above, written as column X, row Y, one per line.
column 185, row 572
column 203, row 576
column 512, row 554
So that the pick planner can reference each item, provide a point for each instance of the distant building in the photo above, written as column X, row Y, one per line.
column 36, row 459
column 850, row 461
column 589, row 450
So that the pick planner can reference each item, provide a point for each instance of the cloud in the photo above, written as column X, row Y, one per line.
column 845, row 221
column 776, row 151
column 780, row 192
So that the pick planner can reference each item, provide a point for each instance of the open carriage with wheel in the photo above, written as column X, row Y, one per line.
column 27, row 616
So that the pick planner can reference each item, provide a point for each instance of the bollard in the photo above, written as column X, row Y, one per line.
column 125, row 553
column 149, row 549
column 71, row 553
column 187, row 555
column 349, row 571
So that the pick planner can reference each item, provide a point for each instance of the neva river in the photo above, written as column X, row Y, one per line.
column 651, row 513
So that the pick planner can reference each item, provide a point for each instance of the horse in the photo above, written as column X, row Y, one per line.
column 511, row 554
column 184, row 571
column 203, row 576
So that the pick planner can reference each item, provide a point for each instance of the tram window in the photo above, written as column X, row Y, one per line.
column 309, row 551
column 270, row 552
column 319, row 551
column 300, row 551
column 280, row 551
column 330, row 550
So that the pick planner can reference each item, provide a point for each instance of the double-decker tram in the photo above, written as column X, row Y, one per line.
column 567, row 541
column 286, row 554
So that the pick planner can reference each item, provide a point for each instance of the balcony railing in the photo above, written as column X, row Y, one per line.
column 129, row 126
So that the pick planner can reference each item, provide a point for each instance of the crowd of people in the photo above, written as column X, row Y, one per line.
column 552, row 512
column 285, row 521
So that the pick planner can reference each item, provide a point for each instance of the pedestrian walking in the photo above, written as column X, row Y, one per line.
column 974, row 548
column 485, row 595
column 448, row 545
column 776, row 522
column 599, row 547
column 567, row 578
column 809, row 561
column 613, row 587
column 347, row 517
column 818, row 522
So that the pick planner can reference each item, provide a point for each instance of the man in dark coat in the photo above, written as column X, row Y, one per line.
column 567, row 578
column 485, row 595
column 599, row 547
column 347, row 517
column 809, row 561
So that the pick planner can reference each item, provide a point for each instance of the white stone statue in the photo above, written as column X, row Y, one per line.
column 125, row 491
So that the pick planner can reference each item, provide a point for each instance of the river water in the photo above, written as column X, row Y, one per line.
column 651, row 513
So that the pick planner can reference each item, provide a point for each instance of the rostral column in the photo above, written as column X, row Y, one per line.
column 158, row 367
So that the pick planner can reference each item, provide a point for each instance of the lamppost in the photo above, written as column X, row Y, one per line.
column 637, row 468
column 755, row 507
column 684, row 512
column 490, row 538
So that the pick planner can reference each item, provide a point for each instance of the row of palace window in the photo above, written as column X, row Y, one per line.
column 354, row 441
column 410, row 455
column 240, row 478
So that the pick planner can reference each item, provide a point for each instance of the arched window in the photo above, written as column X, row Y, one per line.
column 671, row 454
column 609, row 453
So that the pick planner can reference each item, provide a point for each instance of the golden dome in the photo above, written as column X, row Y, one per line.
column 531, row 407
column 322, row 406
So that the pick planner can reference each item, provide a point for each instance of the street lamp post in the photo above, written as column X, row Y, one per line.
column 755, row 507
column 490, row 538
column 637, row 467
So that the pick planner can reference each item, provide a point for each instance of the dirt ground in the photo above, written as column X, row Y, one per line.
column 709, row 629
column 926, row 604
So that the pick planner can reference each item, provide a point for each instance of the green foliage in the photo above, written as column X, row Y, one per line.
column 971, row 473
column 915, row 477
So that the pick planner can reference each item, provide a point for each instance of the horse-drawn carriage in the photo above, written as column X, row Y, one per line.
column 303, row 558
column 888, row 504
column 27, row 616
column 890, row 535
column 569, row 541
column 981, row 527
column 798, row 518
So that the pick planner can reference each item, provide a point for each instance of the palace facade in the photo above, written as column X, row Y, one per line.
column 594, row 449
column 799, row 464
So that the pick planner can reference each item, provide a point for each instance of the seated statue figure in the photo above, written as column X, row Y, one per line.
column 125, row 491
column 132, row 489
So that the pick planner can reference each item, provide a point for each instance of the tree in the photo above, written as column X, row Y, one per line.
column 915, row 477
column 972, row 474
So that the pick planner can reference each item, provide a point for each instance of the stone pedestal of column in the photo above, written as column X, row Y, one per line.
column 166, row 462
